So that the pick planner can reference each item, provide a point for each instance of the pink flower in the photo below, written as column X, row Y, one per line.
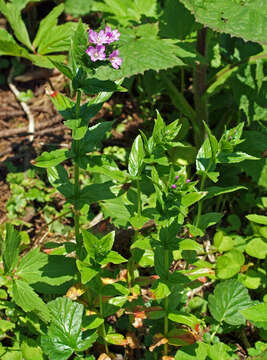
column 97, row 38
column 177, row 177
column 174, row 186
column 97, row 53
column 111, row 36
column 115, row 59
column 188, row 180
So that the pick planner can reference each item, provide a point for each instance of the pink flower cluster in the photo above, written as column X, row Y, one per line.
column 100, row 38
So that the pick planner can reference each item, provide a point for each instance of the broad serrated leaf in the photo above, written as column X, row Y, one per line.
column 30, row 265
column 52, row 158
column 136, row 157
column 246, row 19
column 228, row 299
column 28, row 300
column 256, row 313
column 10, row 248
column 65, row 335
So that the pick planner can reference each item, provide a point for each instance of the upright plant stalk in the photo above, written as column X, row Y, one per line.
column 200, row 83
column 76, row 144
column 200, row 203
column 166, row 304
column 139, row 204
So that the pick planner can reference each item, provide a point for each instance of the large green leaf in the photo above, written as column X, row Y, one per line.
column 11, row 248
column 141, row 52
column 246, row 19
column 28, row 300
column 65, row 334
column 258, row 219
column 8, row 46
column 229, row 297
column 30, row 265
column 13, row 14
column 78, row 8
column 47, row 24
column 257, row 314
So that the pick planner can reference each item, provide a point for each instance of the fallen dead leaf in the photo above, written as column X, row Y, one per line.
column 132, row 340
column 75, row 291
column 159, row 340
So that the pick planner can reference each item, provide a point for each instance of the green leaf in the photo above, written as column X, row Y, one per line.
column 223, row 242
column 229, row 264
column 233, row 158
column 258, row 219
column 11, row 248
column 8, row 46
column 204, row 160
column 162, row 262
column 105, row 244
column 57, row 39
column 209, row 219
column 30, row 265
column 257, row 248
column 183, row 318
column 197, row 351
column 92, row 322
column 87, row 271
column 114, row 258
column 52, row 158
column 48, row 24
column 256, row 313
column 65, row 335
column 144, row 54
column 218, row 190
column 64, row 69
column 58, row 177
column 13, row 14
column 28, row 300
column 5, row 326
column 78, row 8
column 94, row 136
column 136, row 157
column 192, row 198
column 225, row 15
column 31, row 350
column 79, row 45
column 116, row 339
column 161, row 289
column 94, row 86
column 228, row 299
column 168, row 27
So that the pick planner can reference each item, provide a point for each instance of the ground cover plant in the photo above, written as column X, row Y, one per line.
column 149, row 243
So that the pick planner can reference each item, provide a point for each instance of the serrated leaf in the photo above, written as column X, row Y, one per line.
column 256, row 313
column 30, row 265
column 28, row 300
column 52, row 158
column 114, row 258
column 245, row 19
column 10, row 248
column 136, row 157
column 87, row 271
column 229, row 264
column 228, row 299
column 65, row 334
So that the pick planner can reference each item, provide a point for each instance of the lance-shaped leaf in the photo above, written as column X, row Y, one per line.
column 228, row 299
column 136, row 157
column 11, row 248
column 65, row 334
column 8, row 46
column 52, row 158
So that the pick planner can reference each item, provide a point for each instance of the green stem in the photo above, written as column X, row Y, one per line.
column 200, row 203
column 103, row 329
column 166, row 304
column 139, row 204
column 215, row 332
column 76, row 145
column 200, row 84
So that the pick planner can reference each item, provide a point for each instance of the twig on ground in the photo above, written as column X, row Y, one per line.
column 23, row 104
